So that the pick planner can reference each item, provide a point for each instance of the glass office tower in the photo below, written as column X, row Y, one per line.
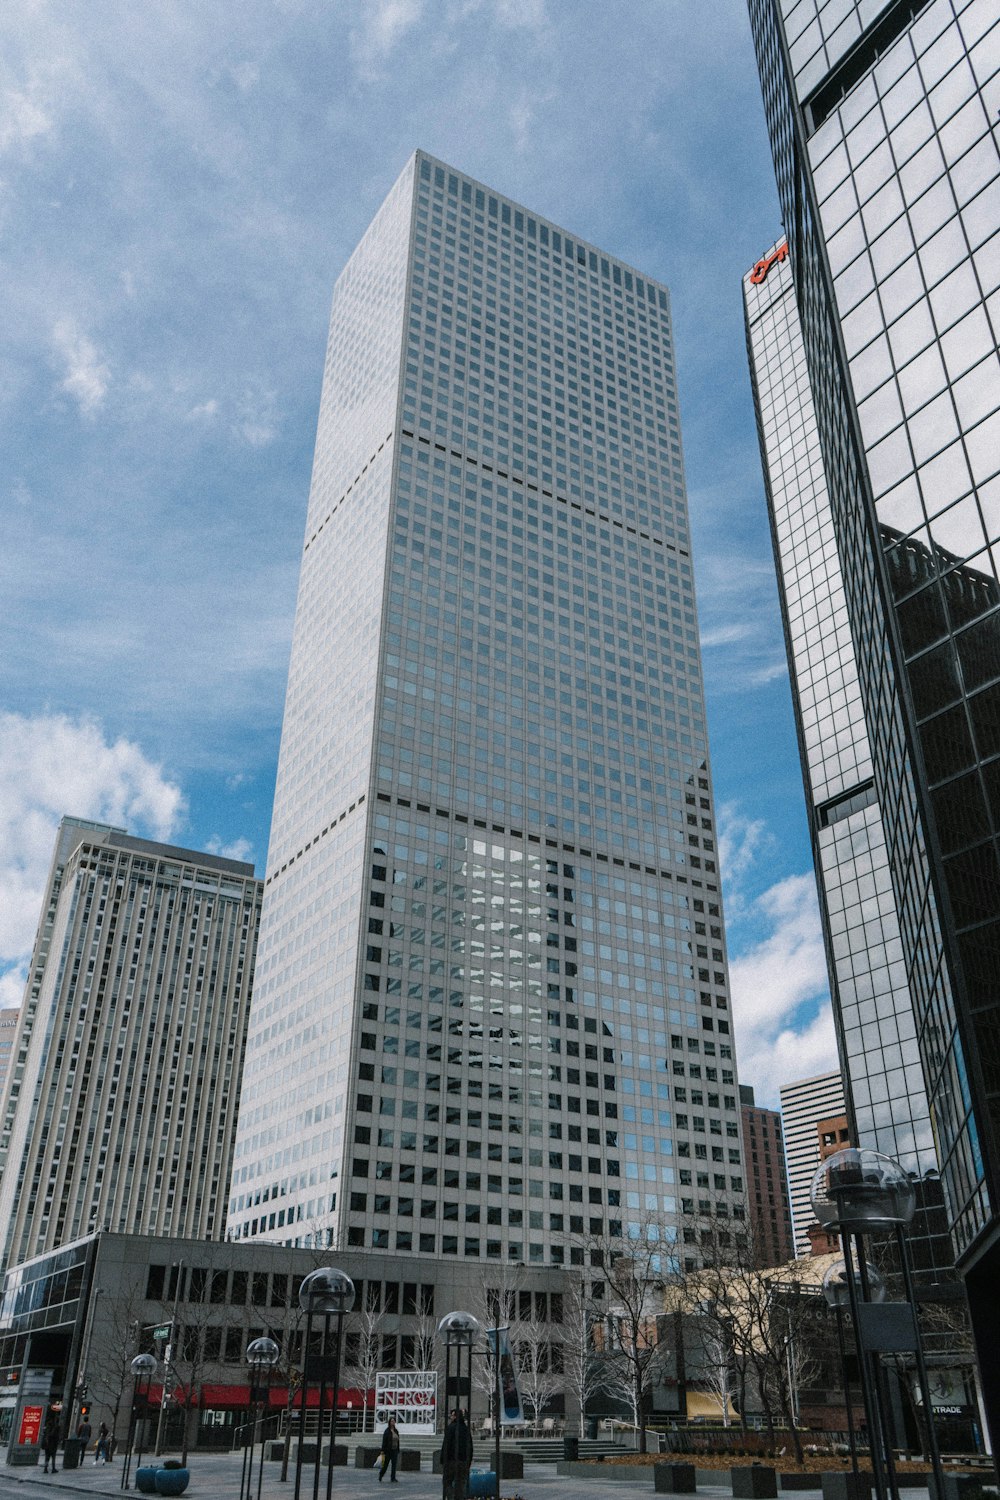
column 491, row 1011
column 889, row 177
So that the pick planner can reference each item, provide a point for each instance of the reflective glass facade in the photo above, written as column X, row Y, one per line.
column 873, row 1007
column 491, row 1012
column 889, row 175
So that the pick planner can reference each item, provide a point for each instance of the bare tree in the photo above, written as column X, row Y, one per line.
column 497, row 1305
column 584, row 1376
column 634, row 1271
column 717, row 1366
column 190, row 1355
column 109, row 1364
column 364, row 1350
column 533, row 1352
column 424, row 1350
column 762, row 1316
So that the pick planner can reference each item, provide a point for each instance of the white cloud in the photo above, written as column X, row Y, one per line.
column 258, row 423
column 384, row 23
column 86, row 376
column 22, row 119
column 205, row 412
column 740, row 841
column 236, row 849
column 522, row 15
column 784, row 1024
column 51, row 765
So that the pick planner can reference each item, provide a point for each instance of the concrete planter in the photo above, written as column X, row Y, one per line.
column 364, row 1458
column 339, row 1455
column 603, row 1473
column 754, row 1482
column 961, row 1486
column 674, row 1479
column 845, row 1485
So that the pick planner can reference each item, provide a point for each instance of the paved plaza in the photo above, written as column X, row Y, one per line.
column 217, row 1477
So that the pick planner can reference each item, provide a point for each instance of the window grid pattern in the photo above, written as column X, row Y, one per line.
column 874, row 1008
column 916, row 157
column 540, row 954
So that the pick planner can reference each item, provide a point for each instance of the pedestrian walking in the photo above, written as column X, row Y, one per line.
column 102, row 1454
column 50, row 1440
column 456, row 1456
column 390, row 1450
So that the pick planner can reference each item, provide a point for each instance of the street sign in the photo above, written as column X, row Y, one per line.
column 161, row 1333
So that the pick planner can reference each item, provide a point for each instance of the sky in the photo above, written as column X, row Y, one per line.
column 180, row 185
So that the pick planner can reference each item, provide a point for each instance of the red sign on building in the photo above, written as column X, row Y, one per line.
column 31, row 1424
column 762, row 267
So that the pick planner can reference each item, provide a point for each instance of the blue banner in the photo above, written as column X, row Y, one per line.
column 511, row 1410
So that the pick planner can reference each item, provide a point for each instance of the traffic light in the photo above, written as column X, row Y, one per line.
column 84, row 1410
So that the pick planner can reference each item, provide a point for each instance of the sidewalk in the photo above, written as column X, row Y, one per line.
column 216, row 1476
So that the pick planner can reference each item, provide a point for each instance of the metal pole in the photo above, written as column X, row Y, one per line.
column 133, row 1424
column 881, row 1393
column 247, row 1421
column 495, row 1405
column 336, row 1397
column 851, row 1438
column 925, row 1386
column 302, row 1407
column 447, row 1412
column 322, row 1404
column 260, row 1461
column 867, row 1395
column 143, row 1419
column 168, row 1364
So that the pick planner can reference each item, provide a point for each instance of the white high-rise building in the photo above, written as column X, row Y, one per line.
column 491, row 1013
column 120, row 1104
column 803, row 1105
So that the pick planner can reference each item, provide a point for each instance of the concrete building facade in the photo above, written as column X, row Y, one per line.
column 768, row 1201
column 81, row 1313
column 121, row 1101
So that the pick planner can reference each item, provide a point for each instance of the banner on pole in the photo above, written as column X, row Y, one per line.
column 511, row 1410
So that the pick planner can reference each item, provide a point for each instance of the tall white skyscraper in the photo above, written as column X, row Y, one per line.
column 491, row 1010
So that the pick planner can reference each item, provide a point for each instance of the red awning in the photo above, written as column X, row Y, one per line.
column 220, row 1397
column 225, row 1397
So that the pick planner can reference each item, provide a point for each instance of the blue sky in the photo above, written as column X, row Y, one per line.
column 179, row 186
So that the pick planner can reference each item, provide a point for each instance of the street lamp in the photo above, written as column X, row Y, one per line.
column 262, row 1356
column 459, row 1332
column 857, row 1192
column 837, row 1296
column 169, row 1375
column 143, row 1369
column 327, row 1293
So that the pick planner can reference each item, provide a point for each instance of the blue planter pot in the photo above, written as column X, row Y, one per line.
column 172, row 1481
column 145, row 1479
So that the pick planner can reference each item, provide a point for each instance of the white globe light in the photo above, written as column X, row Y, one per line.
column 862, row 1191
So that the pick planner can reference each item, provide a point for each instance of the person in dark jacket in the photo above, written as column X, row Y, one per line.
column 456, row 1456
column 50, row 1441
column 103, row 1452
column 390, row 1450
